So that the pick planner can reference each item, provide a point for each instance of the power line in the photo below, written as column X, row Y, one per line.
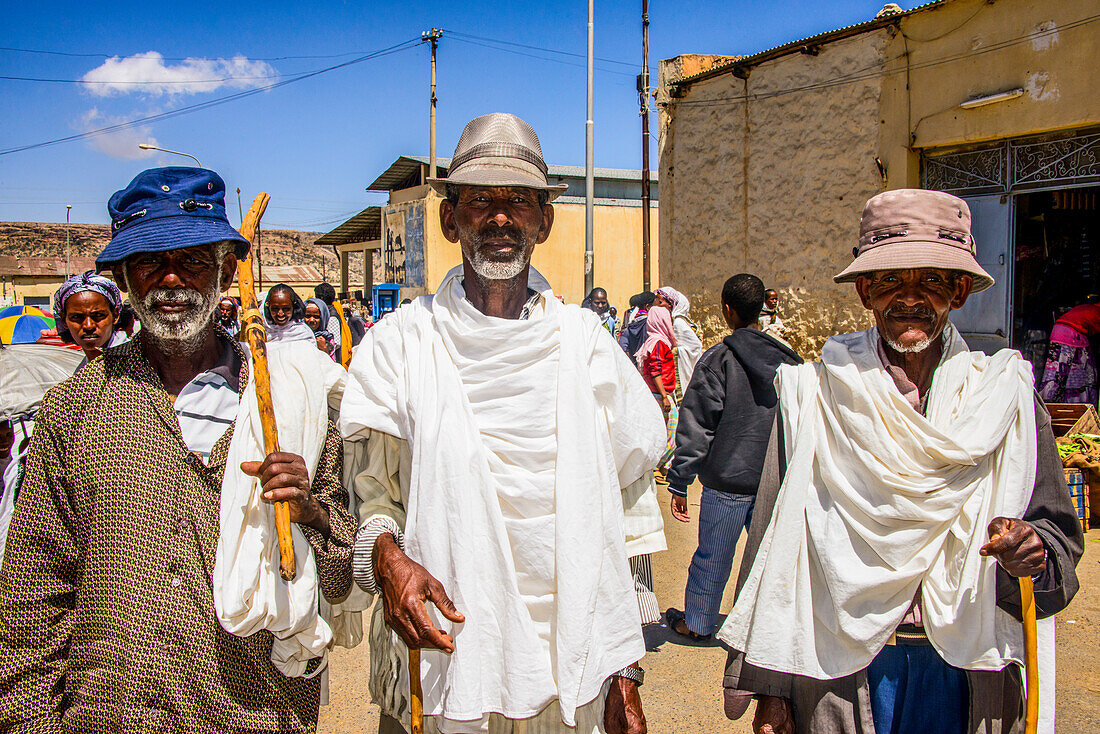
column 540, row 58
column 858, row 75
column 170, row 58
column 396, row 48
column 538, row 48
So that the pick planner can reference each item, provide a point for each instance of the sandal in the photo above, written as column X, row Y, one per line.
column 673, row 617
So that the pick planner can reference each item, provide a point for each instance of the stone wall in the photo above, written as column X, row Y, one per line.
column 808, row 155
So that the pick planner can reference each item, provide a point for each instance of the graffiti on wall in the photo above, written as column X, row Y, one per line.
column 403, row 244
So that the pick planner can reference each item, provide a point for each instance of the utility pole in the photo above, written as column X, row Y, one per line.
column 433, row 37
column 589, row 170
column 68, row 208
column 643, row 94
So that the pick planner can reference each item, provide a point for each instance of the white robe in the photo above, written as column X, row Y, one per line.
column 879, row 500
column 514, row 425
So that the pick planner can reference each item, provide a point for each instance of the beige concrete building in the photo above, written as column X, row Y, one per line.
column 405, row 245
column 766, row 160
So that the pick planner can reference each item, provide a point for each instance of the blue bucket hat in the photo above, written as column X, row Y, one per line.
column 168, row 209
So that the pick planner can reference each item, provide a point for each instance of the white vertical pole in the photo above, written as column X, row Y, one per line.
column 589, row 170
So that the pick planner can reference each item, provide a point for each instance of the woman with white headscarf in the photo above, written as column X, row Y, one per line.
column 689, row 348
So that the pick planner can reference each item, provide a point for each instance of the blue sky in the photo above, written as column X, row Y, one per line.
column 315, row 144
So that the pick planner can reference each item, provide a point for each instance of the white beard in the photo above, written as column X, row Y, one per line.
column 488, row 269
column 914, row 348
column 498, row 269
column 183, row 328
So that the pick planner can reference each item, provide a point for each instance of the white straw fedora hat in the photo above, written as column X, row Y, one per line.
column 498, row 149
column 915, row 228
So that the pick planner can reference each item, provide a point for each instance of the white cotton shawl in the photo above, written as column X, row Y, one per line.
column 404, row 381
column 879, row 500
column 249, row 594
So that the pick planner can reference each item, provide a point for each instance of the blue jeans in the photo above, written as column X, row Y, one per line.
column 913, row 691
column 722, row 517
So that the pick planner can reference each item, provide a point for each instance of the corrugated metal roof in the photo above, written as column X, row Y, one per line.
column 291, row 274
column 363, row 227
column 815, row 40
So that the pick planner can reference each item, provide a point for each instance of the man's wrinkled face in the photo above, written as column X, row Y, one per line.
column 911, row 306
column 599, row 301
column 497, row 227
column 175, row 293
column 89, row 319
column 771, row 300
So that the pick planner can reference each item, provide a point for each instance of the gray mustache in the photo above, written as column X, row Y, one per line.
column 920, row 312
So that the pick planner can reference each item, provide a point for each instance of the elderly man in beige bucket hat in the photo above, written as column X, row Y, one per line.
column 506, row 477
column 908, row 481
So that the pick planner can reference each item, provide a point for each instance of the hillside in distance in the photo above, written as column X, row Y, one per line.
column 278, row 246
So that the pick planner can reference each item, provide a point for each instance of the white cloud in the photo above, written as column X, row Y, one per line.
column 122, row 143
column 148, row 74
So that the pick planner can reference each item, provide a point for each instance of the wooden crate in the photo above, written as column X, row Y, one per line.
column 1068, row 418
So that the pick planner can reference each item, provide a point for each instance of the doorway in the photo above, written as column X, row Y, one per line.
column 1057, row 263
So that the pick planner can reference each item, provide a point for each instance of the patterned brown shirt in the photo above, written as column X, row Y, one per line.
column 107, row 619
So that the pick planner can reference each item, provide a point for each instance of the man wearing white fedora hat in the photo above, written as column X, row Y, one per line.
column 506, row 475
column 909, row 480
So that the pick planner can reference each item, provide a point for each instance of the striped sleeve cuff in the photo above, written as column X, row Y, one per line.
column 678, row 491
column 362, row 559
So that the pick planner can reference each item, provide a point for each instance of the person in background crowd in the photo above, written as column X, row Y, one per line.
column 285, row 315
column 357, row 325
column 722, row 437
column 316, row 316
column 108, row 621
column 88, row 310
column 327, row 294
column 128, row 322
column 770, row 322
column 689, row 347
column 655, row 359
column 1071, row 370
column 596, row 301
column 633, row 334
column 227, row 316
column 337, row 323
column 908, row 483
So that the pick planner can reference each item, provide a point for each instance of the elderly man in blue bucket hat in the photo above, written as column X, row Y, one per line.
column 107, row 616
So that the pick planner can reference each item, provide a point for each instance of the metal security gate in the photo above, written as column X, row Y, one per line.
column 988, row 177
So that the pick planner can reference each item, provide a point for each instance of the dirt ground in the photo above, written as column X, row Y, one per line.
column 682, row 692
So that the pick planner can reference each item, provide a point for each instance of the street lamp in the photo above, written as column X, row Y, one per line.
column 68, row 208
column 150, row 146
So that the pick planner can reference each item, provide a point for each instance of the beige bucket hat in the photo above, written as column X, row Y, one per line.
column 915, row 228
column 498, row 149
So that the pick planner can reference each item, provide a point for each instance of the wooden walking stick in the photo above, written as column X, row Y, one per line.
column 253, row 332
column 1031, row 654
column 416, row 705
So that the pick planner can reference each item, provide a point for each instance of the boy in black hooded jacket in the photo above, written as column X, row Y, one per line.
column 725, row 422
